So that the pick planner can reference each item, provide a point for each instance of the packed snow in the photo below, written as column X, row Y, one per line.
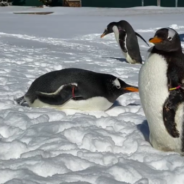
column 46, row 146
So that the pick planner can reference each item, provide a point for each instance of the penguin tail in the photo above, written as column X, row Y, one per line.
column 20, row 101
column 142, row 38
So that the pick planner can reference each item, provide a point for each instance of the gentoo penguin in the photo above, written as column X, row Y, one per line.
column 161, row 92
column 74, row 88
column 127, row 40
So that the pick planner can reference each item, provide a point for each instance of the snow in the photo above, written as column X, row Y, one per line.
column 44, row 146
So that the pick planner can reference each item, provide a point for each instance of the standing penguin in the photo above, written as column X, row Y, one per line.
column 161, row 92
column 74, row 88
column 127, row 40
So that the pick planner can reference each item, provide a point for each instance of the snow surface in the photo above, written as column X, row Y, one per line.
column 45, row 146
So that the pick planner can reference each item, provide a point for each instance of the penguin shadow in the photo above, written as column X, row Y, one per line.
column 144, row 129
column 181, row 37
column 133, row 104
column 25, row 105
column 119, row 59
column 117, row 104
column 122, row 59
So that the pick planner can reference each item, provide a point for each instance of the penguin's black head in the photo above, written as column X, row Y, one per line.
column 166, row 39
column 109, row 29
column 117, row 87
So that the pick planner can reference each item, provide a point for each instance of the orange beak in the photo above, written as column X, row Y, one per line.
column 102, row 35
column 155, row 40
column 132, row 89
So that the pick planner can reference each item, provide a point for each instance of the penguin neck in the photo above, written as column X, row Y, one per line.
column 113, row 95
column 165, row 54
column 155, row 50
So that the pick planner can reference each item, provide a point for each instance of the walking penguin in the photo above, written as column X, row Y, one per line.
column 126, row 38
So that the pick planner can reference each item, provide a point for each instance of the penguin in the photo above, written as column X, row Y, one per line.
column 161, row 80
column 74, row 88
column 126, row 39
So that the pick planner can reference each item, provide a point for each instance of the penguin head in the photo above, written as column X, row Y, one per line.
column 109, row 29
column 122, row 27
column 117, row 87
column 166, row 39
column 114, row 27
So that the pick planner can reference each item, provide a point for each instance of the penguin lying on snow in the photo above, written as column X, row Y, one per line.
column 127, row 40
column 74, row 88
column 161, row 81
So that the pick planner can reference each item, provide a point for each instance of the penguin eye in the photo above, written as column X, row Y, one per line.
column 169, row 38
column 118, row 87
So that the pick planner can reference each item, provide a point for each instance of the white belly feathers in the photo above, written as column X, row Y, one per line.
column 126, row 54
column 153, row 93
column 92, row 104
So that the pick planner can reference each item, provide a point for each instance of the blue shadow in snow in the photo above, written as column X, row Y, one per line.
column 181, row 37
column 119, row 59
column 144, row 129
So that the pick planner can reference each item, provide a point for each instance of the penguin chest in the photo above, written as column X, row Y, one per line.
column 153, row 92
column 91, row 104
column 122, row 43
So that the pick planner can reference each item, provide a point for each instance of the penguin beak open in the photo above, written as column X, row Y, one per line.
column 131, row 89
column 155, row 40
column 104, row 33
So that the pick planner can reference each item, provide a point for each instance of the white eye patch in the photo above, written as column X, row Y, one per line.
column 116, row 83
column 171, row 34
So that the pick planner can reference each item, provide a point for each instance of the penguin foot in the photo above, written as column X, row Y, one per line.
column 21, row 101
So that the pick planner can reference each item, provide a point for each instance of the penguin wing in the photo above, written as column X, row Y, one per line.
column 141, row 38
column 59, row 97
column 169, row 111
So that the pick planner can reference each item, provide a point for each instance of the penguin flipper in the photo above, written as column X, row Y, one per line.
column 169, row 111
column 60, row 98
column 142, row 38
